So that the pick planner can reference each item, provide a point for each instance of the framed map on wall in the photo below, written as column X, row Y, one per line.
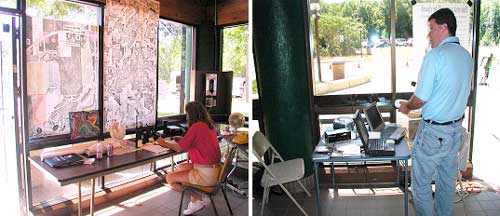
column 84, row 124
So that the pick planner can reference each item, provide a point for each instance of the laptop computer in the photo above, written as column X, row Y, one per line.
column 64, row 160
column 372, row 147
column 374, row 118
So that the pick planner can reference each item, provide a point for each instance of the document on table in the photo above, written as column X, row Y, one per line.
column 155, row 148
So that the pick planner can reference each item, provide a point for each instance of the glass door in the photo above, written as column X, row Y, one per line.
column 9, row 171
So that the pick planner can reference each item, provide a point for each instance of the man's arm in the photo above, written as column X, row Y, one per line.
column 413, row 103
column 169, row 144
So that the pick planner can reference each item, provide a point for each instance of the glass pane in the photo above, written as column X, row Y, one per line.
column 62, row 64
column 8, row 149
column 8, row 3
column 235, row 58
column 411, row 48
column 353, row 45
column 174, row 67
column 486, row 134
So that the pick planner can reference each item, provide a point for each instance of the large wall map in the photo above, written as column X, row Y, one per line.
column 62, row 73
column 130, row 44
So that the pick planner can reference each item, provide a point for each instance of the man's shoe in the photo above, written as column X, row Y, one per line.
column 194, row 207
column 205, row 200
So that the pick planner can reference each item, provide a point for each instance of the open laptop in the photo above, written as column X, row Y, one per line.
column 372, row 147
column 374, row 118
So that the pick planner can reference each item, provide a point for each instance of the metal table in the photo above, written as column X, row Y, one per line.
column 402, row 154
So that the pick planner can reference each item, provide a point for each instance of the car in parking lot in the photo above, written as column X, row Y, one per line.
column 367, row 44
column 401, row 42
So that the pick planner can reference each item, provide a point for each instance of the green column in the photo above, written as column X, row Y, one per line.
column 283, row 76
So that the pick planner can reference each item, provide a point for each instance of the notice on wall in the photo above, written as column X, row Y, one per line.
column 422, row 11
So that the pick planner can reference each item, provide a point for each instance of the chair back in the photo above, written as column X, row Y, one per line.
column 228, row 160
column 260, row 144
column 463, row 153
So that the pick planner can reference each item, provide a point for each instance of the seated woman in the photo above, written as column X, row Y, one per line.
column 202, row 145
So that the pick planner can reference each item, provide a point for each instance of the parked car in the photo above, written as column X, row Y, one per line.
column 383, row 43
column 409, row 42
column 401, row 42
column 367, row 44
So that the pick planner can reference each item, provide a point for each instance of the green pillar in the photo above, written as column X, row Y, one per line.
column 283, row 76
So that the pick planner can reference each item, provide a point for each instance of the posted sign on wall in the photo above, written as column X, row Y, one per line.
column 422, row 11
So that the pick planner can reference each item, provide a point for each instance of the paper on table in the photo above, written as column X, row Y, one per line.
column 154, row 148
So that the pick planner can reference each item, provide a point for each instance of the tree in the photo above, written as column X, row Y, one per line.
column 235, row 46
column 169, row 49
column 55, row 9
column 339, row 36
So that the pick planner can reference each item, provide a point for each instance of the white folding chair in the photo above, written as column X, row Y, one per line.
column 462, row 157
column 277, row 173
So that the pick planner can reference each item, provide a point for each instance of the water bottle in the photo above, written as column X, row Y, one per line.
column 98, row 151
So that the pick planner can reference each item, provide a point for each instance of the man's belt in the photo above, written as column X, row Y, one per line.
column 444, row 123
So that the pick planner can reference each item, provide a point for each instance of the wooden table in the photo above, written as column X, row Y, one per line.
column 105, row 166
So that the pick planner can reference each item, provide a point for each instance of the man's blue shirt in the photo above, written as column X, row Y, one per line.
column 444, row 81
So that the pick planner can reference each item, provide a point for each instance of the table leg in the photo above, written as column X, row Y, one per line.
column 406, row 187
column 397, row 174
column 172, row 164
column 333, row 175
column 79, row 198
column 92, row 182
column 316, row 179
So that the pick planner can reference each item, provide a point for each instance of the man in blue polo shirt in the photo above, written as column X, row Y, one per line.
column 442, row 92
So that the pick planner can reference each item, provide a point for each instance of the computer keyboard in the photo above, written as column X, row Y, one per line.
column 388, row 131
column 377, row 144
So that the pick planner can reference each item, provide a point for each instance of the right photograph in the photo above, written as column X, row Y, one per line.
column 375, row 107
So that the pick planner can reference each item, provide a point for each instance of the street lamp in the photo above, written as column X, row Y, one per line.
column 315, row 13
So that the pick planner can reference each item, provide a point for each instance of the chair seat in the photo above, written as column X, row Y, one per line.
column 286, row 171
column 207, row 189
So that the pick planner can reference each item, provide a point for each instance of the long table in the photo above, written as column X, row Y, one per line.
column 105, row 166
column 351, row 147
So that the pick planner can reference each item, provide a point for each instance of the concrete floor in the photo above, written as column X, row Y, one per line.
column 373, row 202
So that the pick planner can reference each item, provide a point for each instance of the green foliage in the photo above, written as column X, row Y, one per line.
column 55, row 9
column 339, row 35
column 254, row 87
column 170, row 49
column 489, row 29
column 235, row 46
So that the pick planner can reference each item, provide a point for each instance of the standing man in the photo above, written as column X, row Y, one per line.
column 442, row 92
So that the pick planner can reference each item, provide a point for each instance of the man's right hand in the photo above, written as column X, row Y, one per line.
column 403, row 107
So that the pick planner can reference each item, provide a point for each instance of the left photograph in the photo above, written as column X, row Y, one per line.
column 124, row 107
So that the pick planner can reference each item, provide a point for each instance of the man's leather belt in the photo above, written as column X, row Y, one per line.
column 443, row 123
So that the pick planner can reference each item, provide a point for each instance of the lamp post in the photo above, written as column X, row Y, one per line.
column 315, row 13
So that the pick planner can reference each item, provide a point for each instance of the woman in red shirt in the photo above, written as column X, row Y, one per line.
column 202, row 146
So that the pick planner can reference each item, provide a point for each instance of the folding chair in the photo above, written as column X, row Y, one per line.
column 277, row 173
column 462, row 157
column 212, row 190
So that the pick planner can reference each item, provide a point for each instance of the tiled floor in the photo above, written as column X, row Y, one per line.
column 165, row 202
column 373, row 202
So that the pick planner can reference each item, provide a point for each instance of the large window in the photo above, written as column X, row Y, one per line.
column 235, row 59
column 8, row 3
column 62, row 59
column 174, row 67
column 353, row 46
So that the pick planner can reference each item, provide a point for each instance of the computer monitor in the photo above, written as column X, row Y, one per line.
column 360, row 126
column 374, row 117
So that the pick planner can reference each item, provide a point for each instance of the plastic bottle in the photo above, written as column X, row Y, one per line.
column 98, row 151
